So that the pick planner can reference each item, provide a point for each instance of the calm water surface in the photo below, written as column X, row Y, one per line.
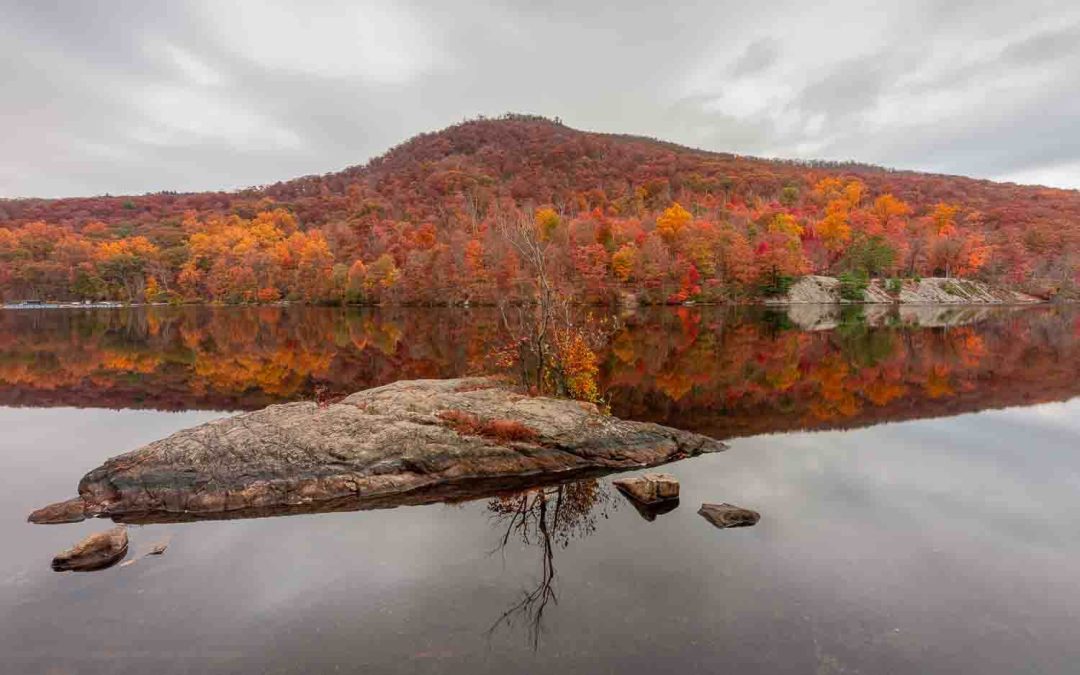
column 917, row 474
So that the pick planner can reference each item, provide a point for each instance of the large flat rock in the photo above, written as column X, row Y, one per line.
column 407, row 437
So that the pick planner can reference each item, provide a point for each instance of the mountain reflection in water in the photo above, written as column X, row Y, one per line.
column 726, row 372
column 940, row 545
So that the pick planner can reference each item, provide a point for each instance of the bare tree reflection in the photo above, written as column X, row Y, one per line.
column 549, row 517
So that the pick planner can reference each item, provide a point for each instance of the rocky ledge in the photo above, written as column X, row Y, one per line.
column 404, row 438
column 815, row 289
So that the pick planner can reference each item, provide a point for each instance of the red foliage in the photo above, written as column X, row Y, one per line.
column 501, row 430
column 420, row 221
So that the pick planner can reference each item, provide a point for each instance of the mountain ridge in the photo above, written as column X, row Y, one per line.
column 426, row 201
column 850, row 166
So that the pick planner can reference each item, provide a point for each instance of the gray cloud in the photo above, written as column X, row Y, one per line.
column 848, row 88
column 758, row 56
column 130, row 97
column 1046, row 46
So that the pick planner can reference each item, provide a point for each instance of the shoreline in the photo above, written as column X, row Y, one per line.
column 757, row 303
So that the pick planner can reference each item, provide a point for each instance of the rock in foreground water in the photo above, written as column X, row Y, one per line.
column 649, row 488
column 70, row 511
column 726, row 515
column 390, row 441
column 98, row 551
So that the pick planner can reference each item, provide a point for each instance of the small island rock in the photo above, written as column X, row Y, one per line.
column 389, row 442
column 649, row 488
column 98, row 551
column 726, row 515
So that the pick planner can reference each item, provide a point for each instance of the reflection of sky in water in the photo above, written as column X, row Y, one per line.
column 944, row 545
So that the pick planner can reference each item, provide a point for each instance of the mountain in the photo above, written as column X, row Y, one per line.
column 622, row 214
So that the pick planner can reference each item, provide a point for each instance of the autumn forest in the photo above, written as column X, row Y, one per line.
column 617, row 214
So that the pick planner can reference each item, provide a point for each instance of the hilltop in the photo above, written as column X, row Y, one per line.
column 623, row 214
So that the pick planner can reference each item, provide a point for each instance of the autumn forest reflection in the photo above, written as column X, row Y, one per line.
column 722, row 371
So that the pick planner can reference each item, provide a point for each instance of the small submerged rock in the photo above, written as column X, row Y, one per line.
column 96, row 552
column 649, row 488
column 726, row 515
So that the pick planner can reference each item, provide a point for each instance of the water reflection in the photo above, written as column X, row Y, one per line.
column 941, row 545
column 548, row 518
column 721, row 371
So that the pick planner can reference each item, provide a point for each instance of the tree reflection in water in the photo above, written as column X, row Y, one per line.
column 722, row 371
column 549, row 517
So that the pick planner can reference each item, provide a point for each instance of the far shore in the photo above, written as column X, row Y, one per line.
column 690, row 303
column 808, row 290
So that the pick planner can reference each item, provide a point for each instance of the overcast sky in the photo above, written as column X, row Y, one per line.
column 131, row 97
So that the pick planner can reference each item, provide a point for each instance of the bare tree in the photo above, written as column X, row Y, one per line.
column 532, row 329
column 551, row 351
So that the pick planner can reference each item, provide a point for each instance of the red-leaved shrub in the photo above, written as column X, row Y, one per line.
column 468, row 424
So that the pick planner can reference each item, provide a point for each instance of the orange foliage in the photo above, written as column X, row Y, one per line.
column 672, row 221
column 578, row 365
column 420, row 225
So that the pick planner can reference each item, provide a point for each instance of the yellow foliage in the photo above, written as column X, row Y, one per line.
column 547, row 221
column 834, row 229
column 785, row 223
column 945, row 219
column 672, row 221
column 383, row 272
column 622, row 261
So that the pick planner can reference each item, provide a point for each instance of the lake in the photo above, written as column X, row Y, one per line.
column 917, row 473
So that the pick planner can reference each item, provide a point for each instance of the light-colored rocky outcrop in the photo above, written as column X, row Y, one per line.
column 814, row 289
column 380, row 443
column 831, row 316
column 937, row 291
column 810, row 290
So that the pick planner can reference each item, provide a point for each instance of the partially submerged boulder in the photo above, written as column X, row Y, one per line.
column 373, row 447
column 726, row 515
column 651, row 494
column 96, row 552
column 649, row 488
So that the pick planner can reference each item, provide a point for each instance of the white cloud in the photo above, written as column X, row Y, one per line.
column 178, row 115
column 193, row 68
column 379, row 43
column 1065, row 175
column 200, row 94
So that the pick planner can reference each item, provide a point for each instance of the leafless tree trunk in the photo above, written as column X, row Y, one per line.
column 524, row 237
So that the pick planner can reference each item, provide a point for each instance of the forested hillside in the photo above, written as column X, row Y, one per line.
column 618, row 214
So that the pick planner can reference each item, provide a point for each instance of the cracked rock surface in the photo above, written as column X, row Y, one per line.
column 386, row 441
